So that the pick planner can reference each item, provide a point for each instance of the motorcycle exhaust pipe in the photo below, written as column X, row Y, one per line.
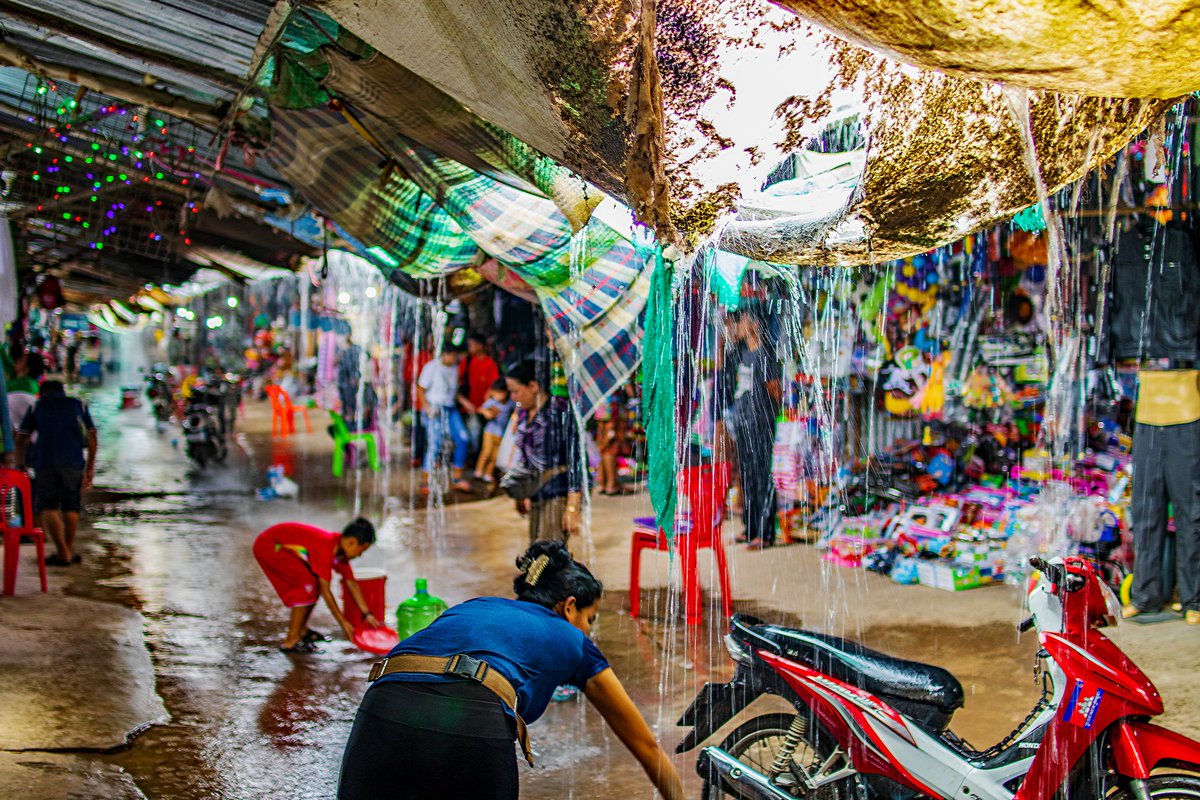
column 733, row 776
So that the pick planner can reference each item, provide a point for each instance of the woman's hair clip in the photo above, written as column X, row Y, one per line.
column 536, row 569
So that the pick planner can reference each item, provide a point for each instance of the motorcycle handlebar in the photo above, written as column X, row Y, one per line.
column 1058, row 575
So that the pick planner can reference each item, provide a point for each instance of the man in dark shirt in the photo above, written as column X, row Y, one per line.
column 756, row 402
column 64, row 428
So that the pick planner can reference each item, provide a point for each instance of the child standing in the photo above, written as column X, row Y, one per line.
column 496, row 409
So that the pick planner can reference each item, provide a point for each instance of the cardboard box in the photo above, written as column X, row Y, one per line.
column 951, row 578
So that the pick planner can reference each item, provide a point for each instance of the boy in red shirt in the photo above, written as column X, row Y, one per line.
column 300, row 560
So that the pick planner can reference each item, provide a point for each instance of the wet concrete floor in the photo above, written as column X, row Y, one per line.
column 249, row 722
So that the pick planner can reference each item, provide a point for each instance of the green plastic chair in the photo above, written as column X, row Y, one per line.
column 343, row 437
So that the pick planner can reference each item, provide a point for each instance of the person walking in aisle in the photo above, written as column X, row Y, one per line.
column 757, row 398
column 62, row 470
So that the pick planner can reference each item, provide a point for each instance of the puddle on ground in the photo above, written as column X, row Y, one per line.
column 249, row 722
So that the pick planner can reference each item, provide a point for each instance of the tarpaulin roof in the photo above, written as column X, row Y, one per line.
column 1115, row 48
column 682, row 108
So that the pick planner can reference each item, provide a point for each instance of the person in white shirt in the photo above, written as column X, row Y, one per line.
column 437, row 388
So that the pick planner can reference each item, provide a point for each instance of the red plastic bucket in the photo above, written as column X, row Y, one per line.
column 373, row 583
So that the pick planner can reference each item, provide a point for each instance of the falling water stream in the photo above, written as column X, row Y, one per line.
column 248, row 722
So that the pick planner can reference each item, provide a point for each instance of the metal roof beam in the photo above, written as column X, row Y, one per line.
column 142, row 95
column 52, row 22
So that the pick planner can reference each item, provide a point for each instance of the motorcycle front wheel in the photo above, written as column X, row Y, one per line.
column 758, row 741
column 1166, row 787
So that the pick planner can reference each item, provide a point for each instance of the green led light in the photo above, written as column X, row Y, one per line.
column 96, row 185
column 137, row 153
column 87, row 225
column 88, row 160
column 95, row 146
column 99, row 245
column 37, row 150
column 94, row 198
column 112, row 156
column 158, row 122
column 37, row 177
column 66, row 215
column 158, row 175
column 41, row 90
column 68, row 159
column 122, row 176
column 109, row 179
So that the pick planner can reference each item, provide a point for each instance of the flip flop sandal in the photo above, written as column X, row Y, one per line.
column 56, row 561
column 77, row 559
column 302, row 647
column 316, row 636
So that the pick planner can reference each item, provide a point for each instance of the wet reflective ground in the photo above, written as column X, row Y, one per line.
column 250, row 722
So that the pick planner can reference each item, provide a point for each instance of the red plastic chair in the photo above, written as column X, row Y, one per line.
column 705, row 488
column 283, row 412
column 14, row 480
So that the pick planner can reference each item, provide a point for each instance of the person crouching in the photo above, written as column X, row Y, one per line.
column 300, row 560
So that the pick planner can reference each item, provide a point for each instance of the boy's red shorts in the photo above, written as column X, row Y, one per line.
column 294, row 582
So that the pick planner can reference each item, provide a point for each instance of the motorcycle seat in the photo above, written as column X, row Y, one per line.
column 927, row 693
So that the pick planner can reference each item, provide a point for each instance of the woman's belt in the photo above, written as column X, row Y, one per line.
column 463, row 666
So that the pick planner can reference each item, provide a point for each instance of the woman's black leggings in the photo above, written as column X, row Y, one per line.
column 430, row 741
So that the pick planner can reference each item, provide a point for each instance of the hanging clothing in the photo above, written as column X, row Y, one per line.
column 1155, row 293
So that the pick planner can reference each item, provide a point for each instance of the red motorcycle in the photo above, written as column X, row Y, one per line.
column 870, row 726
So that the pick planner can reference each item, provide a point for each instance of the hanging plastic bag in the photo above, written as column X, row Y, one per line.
column 506, row 455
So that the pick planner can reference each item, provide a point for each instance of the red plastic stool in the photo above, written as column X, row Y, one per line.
column 15, row 480
column 705, row 488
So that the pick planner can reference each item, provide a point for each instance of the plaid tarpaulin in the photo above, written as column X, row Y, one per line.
column 382, row 90
column 320, row 154
column 433, row 215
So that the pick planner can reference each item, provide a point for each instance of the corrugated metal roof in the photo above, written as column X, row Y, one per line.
column 152, row 67
column 58, row 48
column 216, row 33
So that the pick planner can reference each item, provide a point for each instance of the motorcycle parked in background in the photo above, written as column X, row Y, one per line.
column 868, row 726
column 162, row 403
column 204, row 424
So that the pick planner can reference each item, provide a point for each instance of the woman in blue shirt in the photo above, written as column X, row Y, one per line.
column 440, row 719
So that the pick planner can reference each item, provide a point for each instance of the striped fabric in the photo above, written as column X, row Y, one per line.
column 384, row 91
column 336, row 171
column 602, row 356
column 591, row 284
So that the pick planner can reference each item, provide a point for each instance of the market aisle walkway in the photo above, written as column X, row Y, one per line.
column 247, row 722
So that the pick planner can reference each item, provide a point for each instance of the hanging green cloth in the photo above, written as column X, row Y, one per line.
column 1030, row 219
column 658, row 394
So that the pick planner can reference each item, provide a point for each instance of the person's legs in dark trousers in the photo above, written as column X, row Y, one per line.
column 48, row 503
column 754, row 444
column 1181, row 471
column 386, row 759
column 1148, row 509
column 761, row 490
column 418, row 438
